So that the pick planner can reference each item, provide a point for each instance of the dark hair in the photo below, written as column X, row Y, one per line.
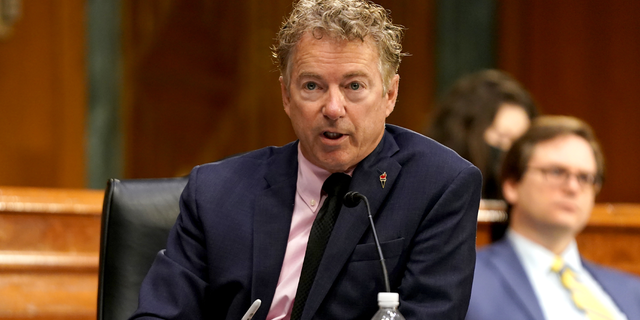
column 469, row 108
column 543, row 129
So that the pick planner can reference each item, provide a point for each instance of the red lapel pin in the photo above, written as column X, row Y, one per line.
column 383, row 179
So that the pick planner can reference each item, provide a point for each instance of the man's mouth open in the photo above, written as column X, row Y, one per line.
column 332, row 135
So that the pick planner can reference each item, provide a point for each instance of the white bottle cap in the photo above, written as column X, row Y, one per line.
column 388, row 299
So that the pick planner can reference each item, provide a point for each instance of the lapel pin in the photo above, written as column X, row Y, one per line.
column 383, row 179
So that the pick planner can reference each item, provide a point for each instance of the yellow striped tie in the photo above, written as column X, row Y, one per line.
column 582, row 297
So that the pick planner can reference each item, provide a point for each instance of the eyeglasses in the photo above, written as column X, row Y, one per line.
column 559, row 175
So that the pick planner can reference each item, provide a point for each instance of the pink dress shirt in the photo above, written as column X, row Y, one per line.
column 309, row 199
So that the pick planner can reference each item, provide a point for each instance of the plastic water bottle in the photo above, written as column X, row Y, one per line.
column 388, row 303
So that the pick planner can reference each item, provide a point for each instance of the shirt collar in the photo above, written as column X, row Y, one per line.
column 537, row 257
column 310, row 180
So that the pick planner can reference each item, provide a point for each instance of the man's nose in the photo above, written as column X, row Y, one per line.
column 334, row 106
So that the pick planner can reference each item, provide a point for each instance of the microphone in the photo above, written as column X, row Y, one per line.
column 351, row 200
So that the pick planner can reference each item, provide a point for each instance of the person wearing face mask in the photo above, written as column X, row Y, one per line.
column 479, row 118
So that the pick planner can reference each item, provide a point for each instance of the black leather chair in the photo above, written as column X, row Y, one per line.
column 136, row 218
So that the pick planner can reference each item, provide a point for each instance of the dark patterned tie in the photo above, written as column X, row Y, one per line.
column 336, row 186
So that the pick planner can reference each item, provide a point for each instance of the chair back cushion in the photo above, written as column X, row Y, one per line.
column 137, row 215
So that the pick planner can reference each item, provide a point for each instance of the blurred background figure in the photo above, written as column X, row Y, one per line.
column 550, row 178
column 479, row 118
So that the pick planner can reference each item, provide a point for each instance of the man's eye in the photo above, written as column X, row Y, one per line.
column 557, row 172
column 311, row 86
column 586, row 178
column 354, row 86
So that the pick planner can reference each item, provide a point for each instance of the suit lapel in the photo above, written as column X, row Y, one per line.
column 625, row 302
column 511, row 270
column 271, row 224
column 353, row 222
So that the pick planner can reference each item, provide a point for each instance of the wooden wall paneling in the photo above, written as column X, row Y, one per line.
column 417, row 71
column 202, row 86
column 42, row 96
column 262, row 114
column 617, row 247
column 579, row 58
column 43, row 296
column 22, row 57
column 49, row 251
column 612, row 236
column 70, row 89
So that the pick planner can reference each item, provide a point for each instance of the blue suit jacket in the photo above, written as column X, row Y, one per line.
column 227, row 246
column 502, row 291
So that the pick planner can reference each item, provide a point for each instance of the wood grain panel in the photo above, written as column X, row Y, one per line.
column 617, row 247
column 580, row 58
column 53, row 232
column 198, row 88
column 612, row 236
column 50, row 200
column 48, row 261
column 38, row 295
column 416, row 95
column 49, row 252
column 43, row 96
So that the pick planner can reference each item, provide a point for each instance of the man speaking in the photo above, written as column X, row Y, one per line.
column 270, row 224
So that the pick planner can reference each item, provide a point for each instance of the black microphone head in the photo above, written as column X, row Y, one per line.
column 352, row 199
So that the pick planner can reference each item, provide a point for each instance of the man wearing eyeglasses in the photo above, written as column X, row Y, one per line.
column 550, row 178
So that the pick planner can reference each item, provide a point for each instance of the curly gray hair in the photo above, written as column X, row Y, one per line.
column 343, row 20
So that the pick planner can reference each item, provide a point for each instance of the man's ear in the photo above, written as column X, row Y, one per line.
column 392, row 94
column 510, row 191
column 286, row 99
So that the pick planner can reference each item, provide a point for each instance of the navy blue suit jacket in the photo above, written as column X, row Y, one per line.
column 227, row 246
column 502, row 291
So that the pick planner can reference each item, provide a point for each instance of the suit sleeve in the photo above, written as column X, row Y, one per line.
column 176, row 284
column 439, row 272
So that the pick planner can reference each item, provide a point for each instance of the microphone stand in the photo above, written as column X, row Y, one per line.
column 352, row 199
